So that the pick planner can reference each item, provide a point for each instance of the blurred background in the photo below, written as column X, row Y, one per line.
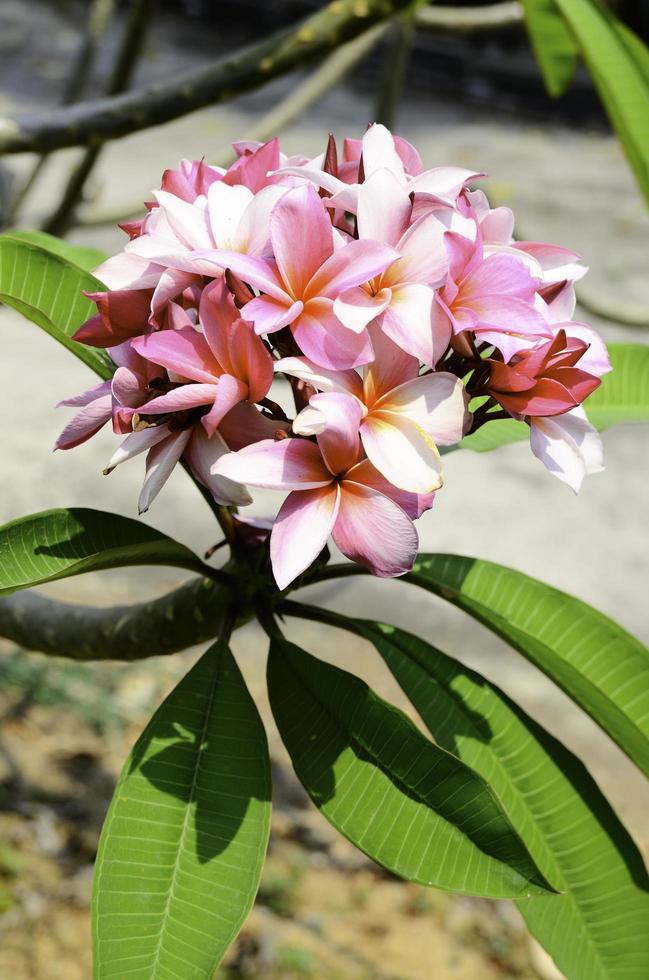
column 472, row 98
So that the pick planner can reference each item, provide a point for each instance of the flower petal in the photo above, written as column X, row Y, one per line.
column 568, row 445
column 301, row 236
column 288, row 464
column 319, row 377
column 159, row 464
column 353, row 264
column 437, row 402
column 201, row 454
column 402, row 451
column 391, row 367
column 374, row 531
column 334, row 418
column 269, row 314
column 184, row 352
column 229, row 392
column 226, row 206
column 301, row 530
column 85, row 423
column 384, row 207
column 423, row 254
column 414, row 504
column 408, row 323
column 324, row 339
column 355, row 307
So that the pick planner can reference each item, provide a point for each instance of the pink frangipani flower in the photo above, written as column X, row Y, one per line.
column 333, row 492
column 299, row 288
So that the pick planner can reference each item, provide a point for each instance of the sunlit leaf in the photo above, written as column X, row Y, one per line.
column 409, row 805
column 596, row 929
column 183, row 844
column 59, row 543
column 601, row 666
column 85, row 257
column 552, row 43
column 48, row 290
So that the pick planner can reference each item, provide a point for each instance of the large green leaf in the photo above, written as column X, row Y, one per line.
column 596, row 929
column 601, row 666
column 553, row 45
column 623, row 396
column 48, row 290
column 59, row 543
column 85, row 257
column 183, row 844
column 619, row 75
column 409, row 805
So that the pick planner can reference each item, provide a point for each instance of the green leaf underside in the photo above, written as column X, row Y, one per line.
column 623, row 396
column 48, row 290
column 81, row 255
column 553, row 45
column 601, row 666
column 618, row 74
column 59, row 543
column 596, row 929
column 183, row 844
column 407, row 804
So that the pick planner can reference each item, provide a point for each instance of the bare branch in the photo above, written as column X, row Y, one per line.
column 247, row 69
column 470, row 20
column 190, row 614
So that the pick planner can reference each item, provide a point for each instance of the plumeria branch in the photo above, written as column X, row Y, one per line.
column 192, row 613
column 470, row 20
column 244, row 71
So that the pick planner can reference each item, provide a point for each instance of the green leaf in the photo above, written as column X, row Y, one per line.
column 553, row 45
column 596, row 929
column 623, row 396
column 85, row 257
column 601, row 666
column 619, row 76
column 59, row 543
column 183, row 844
column 48, row 290
column 409, row 805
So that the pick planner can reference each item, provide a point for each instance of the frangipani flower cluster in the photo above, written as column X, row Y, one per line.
column 389, row 300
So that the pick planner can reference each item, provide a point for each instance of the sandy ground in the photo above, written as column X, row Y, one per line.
column 566, row 186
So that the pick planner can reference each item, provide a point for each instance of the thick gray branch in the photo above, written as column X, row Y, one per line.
column 190, row 614
column 247, row 69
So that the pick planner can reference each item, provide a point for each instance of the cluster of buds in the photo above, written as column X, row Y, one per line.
column 388, row 300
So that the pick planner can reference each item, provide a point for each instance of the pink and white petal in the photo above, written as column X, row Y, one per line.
column 356, row 307
column 325, row 340
column 502, row 275
column 189, row 222
column 226, row 206
column 414, row 504
column 301, row 236
column 160, row 462
column 301, row 530
column 86, row 397
column 185, row 352
column 408, row 324
column 351, row 265
column 136, row 443
column 568, row 446
column 201, row 453
column 402, row 451
column 508, row 314
column 437, row 402
column 124, row 271
column 181, row 399
column 596, row 359
column 228, row 392
column 315, row 175
column 384, row 207
column 249, row 359
column 442, row 327
column 128, row 387
column 252, row 235
column 391, row 367
column 424, row 257
column 497, row 226
column 556, row 262
column 288, row 464
column 245, row 424
column 442, row 183
column 216, row 313
column 408, row 155
column 508, row 343
column 85, row 423
column 379, row 152
column 257, row 272
column 269, row 314
column 318, row 377
column 334, row 419
column 374, row 531
column 171, row 283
